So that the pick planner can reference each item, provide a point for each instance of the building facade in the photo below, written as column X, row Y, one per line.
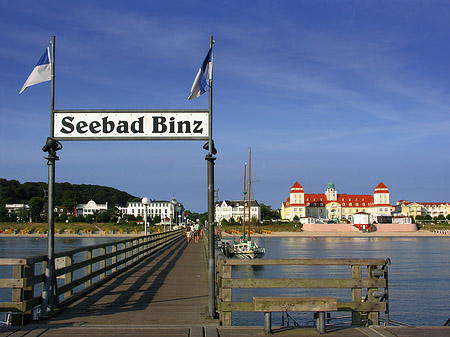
column 332, row 205
column 90, row 208
column 413, row 209
column 228, row 209
column 169, row 211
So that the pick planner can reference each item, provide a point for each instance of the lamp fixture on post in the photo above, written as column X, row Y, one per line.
column 146, row 202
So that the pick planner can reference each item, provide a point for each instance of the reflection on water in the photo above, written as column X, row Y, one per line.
column 418, row 277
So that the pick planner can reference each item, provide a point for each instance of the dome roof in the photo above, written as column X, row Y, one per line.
column 330, row 185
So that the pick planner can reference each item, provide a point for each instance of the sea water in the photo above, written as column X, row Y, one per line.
column 419, row 274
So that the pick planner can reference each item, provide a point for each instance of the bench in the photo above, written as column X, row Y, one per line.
column 319, row 305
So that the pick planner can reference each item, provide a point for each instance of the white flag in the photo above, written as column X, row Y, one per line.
column 204, row 74
column 42, row 72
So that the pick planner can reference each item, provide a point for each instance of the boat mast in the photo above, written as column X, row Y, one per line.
column 245, row 192
column 249, row 188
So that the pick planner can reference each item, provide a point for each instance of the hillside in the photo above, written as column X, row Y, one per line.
column 12, row 191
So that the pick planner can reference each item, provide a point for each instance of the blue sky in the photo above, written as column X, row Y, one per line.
column 356, row 92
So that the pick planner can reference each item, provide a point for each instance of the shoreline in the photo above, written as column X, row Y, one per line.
column 306, row 234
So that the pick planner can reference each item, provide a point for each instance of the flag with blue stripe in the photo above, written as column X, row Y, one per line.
column 204, row 74
column 42, row 72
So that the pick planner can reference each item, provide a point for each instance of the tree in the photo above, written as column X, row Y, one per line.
column 4, row 216
column 36, row 205
column 267, row 213
column 69, row 201
column 23, row 215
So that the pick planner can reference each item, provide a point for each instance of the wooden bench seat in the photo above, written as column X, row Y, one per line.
column 321, row 305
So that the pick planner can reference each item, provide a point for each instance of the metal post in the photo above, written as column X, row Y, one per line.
column 211, row 238
column 52, row 94
column 211, row 230
column 145, row 219
column 49, row 293
column 267, row 323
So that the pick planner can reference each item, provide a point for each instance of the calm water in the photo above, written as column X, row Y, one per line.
column 419, row 276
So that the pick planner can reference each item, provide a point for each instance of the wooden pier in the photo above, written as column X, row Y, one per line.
column 166, row 294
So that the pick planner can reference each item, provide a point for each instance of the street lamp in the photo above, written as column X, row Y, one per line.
column 146, row 202
column 173, row 211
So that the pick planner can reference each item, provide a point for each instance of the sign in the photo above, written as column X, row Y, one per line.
column 131, row 124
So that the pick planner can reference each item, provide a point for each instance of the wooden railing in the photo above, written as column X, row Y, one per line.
column 78, row 271
column 365, row 279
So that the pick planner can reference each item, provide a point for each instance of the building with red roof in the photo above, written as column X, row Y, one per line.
column 333, row 205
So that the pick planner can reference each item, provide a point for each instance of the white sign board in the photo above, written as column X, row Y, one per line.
column 131, row 124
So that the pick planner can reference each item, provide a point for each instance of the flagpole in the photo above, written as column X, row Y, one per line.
column 49, row 293
column 52, row 97
column 211, row 229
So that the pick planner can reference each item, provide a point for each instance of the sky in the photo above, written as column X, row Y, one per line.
column 353, row 92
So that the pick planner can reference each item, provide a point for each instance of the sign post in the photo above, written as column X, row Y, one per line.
column 147, row 124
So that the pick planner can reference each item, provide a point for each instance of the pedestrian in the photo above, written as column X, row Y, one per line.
column 188, row 233
column 192, row 231
column 196, row 232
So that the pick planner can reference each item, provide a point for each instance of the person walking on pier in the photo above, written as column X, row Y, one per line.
column 196, row 232
column 188, row 233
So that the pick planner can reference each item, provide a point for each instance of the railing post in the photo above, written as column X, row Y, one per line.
column 114, row 258
column 88, row 267
column 123, row 264
column 22, row 294
column 225, row 297
column 386, row 291
column 68, row 260
column 356, row 296
column 372, row 315
column 102, row 262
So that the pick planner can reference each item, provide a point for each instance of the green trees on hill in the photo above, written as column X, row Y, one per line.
column 12, row 191
column 66, row 195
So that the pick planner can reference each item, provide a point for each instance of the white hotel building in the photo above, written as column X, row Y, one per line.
column 168, row 211
column 228, row 209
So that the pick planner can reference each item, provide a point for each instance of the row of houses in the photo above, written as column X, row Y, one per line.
column 169, row 211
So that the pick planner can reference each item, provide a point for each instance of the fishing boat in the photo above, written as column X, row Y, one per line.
column 245, row 248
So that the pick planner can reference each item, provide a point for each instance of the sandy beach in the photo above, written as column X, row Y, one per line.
column 346, row 234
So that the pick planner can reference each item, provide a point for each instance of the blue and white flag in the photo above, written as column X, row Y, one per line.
column 203, row 76
column 42, row 72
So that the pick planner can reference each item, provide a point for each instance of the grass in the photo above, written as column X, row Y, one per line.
column 70, row 228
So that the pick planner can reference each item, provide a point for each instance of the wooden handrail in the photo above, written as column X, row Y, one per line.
column 114, row 258
column 376, row 278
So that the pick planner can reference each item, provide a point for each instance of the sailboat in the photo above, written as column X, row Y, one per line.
column 245, row 248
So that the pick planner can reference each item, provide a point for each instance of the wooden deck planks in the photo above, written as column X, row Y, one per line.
column 167, row 288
